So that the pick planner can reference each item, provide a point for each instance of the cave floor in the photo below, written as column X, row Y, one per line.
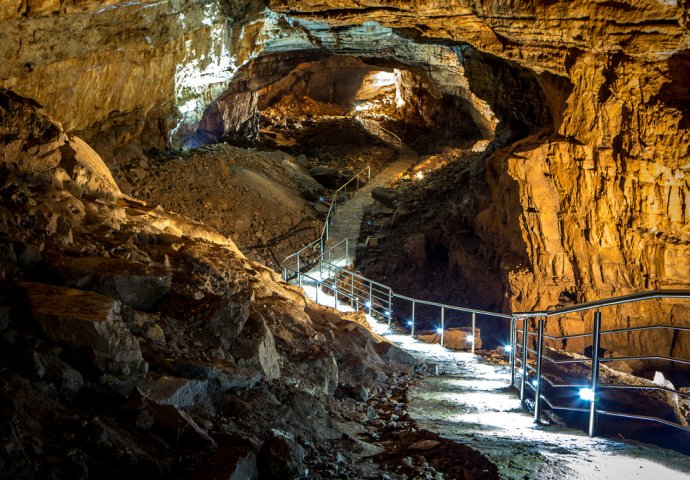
column 470, row 402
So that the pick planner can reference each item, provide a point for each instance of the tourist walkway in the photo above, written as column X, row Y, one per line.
column 348, row 217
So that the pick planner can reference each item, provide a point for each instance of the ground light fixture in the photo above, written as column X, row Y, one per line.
column 507, row 349
column 469, row 339
column 439, row 330
column 387, row 313
column 367, row 304
column 409, row 323
column 586, row 394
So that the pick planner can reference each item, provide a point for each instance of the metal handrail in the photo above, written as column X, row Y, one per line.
column 323, row 238
column 635, row 297
column 365, row 121
column 594, row 386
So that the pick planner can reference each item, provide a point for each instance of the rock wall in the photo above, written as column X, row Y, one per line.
column 596, row 204
column 134, row 340
column 116, row 72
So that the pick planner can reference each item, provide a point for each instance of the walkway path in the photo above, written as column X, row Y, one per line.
column 348, row 217
column 470, row 402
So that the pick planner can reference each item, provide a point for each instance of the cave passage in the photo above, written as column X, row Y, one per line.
column 286, row 239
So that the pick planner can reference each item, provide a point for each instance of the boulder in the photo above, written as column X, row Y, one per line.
column 387, row 196
column 135, row 284
column 319, row 371
column 255, row 348
column 87, row 322
column 281, row 458
column 180, row 392
column 177, row 426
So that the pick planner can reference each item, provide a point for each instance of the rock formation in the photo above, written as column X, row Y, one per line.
column 582, row 193
column 137, row 340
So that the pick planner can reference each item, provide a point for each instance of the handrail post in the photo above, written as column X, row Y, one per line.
column 371, row 305
column 523, row 381
column 335, row 291
column 352, row 285
column 390, row 306
column 596, row 337
column 299, row 277
column 513, row 346
column 443, row 323
column 474, row 326
column 347, row 251
column 412, row 329
column 537, row 387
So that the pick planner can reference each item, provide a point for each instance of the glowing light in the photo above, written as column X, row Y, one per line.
column 410, row 323
column 386, row 313
column 535, row 383
column 419, row 175
column 439, row 330
column 586, row 394
column 367, row 304
column 469, row 339
column 507, row 349
column 361, row 108
column 382, row 79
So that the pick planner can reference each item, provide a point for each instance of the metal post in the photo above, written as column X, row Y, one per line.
column 368, row 173
column 513, row 346
column 347, row 251
column 474, row 326
column 390, row 306
column 596, row 337
column 335, row 292
column 537, row 387
column 412, row 329
column 318, row 287
column 352, row 285
column 525, row 328
column 371, row 305
column 299, row 277
column 443, row 323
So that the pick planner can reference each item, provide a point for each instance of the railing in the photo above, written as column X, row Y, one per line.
column 307, row 253
column 590, row 391
column 376, row 298
column 376, row 128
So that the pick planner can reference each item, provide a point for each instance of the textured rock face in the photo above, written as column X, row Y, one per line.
column 86, row 320
column 128, row 328
column 121, row 71
column 594, row 204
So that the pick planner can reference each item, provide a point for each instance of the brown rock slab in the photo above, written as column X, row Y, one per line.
column 87, row 321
